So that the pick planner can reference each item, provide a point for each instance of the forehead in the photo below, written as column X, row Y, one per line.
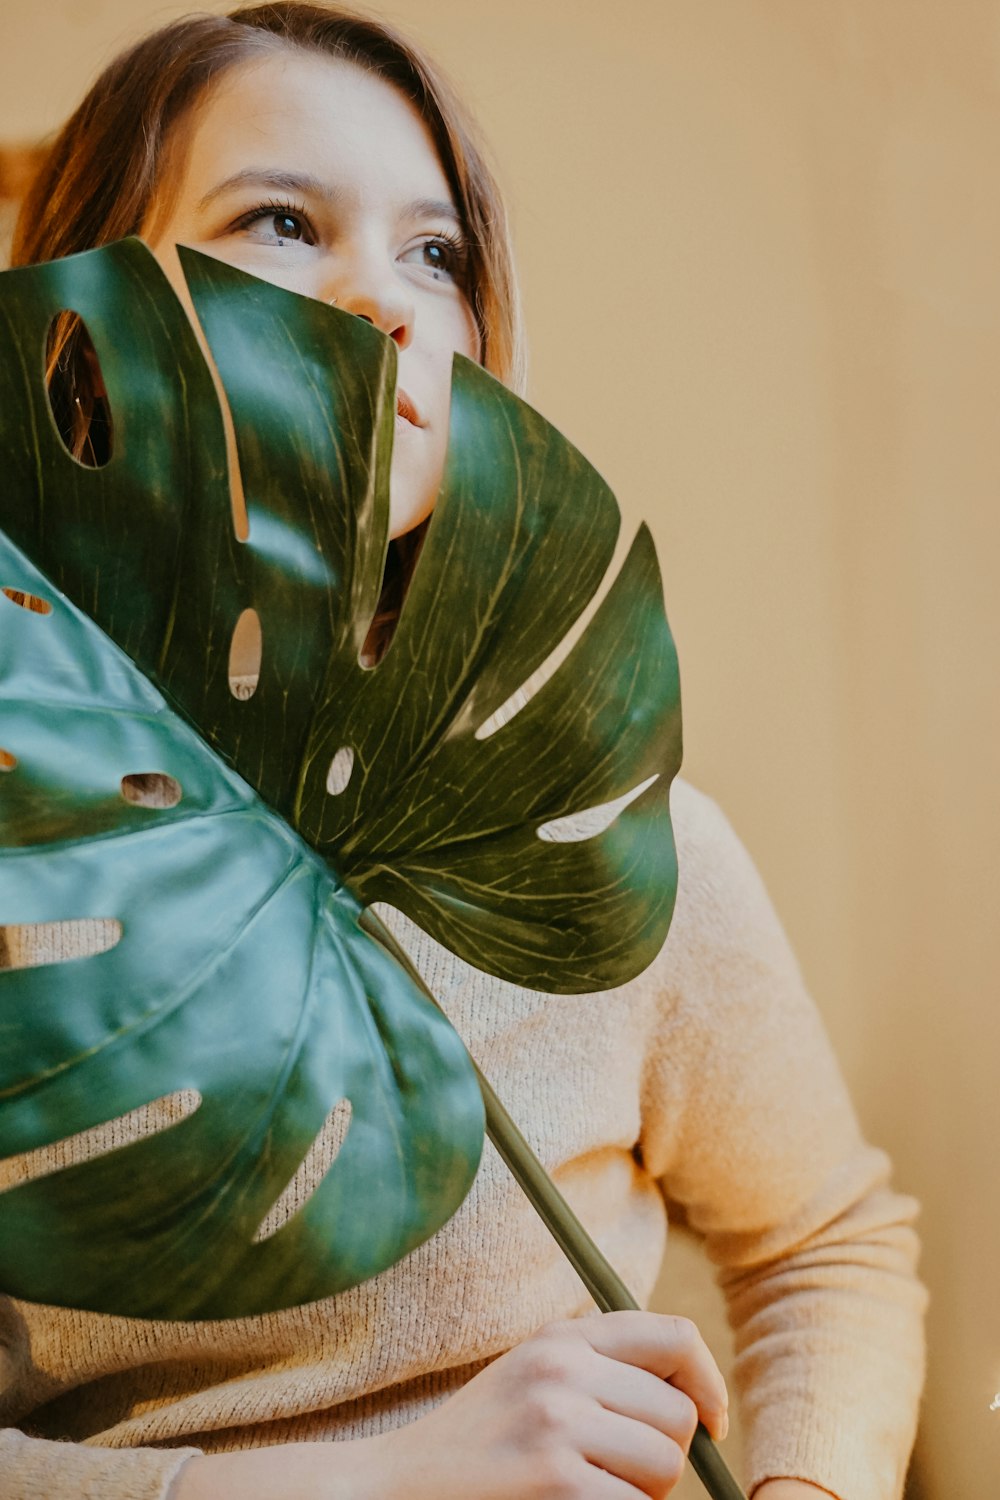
column 314, row 115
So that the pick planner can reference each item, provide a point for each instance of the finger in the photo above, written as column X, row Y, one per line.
column 596, row 1483
column 669, row 1347
column 634, row 1393
column 633, row 1452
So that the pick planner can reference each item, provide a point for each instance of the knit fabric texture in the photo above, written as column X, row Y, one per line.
column 705, row 1088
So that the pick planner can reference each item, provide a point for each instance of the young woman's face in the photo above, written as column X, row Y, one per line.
column 322, row 178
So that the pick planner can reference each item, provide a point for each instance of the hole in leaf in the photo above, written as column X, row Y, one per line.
column 75, row 387
column 28, row 945
column 547, row 669
column 312, row 1169
column 574, row 828
column 401, row 558
column 245, row 653
column 7, row 761
column 86, row 1145
column 339, row 775
column 29, row 601
column 151, row 789
column 237, row 496
column 517, row 700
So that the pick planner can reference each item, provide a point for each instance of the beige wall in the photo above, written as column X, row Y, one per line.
column 759, row 251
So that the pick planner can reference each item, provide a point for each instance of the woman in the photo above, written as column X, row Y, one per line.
column 319, row 151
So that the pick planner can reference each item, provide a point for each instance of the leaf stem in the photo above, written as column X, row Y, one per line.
column 595, row 1271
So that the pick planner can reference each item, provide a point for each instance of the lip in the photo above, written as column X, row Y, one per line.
column 407, row 409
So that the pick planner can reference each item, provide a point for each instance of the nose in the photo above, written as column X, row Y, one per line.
column 375, row 294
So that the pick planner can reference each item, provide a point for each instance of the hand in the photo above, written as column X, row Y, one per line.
column 600, row 1408
column 791, row 1489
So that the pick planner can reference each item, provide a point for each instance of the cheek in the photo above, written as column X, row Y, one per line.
column 455, row 332
column 471, row 345
column 169, row 262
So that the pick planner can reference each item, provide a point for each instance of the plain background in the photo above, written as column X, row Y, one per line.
column 759, row 249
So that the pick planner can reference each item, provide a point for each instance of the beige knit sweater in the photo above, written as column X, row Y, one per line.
column 706, row 1088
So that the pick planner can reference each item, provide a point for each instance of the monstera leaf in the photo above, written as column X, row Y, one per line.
column 242, row 975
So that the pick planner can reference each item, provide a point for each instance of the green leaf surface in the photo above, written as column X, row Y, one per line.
column 242, row 972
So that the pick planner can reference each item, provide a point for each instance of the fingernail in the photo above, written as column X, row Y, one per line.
column 724, row 1427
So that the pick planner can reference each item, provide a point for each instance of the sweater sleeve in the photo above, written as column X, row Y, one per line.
column 748, row 1125
column 36, row 1469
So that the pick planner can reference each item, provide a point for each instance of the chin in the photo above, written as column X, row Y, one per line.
column 407, row 514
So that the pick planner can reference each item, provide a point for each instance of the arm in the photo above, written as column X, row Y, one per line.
column 748, row 1124
column 37, row 1469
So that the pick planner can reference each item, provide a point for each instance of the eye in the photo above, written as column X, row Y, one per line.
column 276, row 224
column 440, row 255
column 437, row 256
column 287, row 226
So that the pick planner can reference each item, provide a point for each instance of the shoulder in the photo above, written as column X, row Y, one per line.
column 739, row 1052
column 732, row 1008
column 724, row 920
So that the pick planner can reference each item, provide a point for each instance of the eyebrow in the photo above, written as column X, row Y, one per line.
column 433, row 208
column 266, row 177
column 305, row 184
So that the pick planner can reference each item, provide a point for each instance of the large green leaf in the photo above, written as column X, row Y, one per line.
column 242, row 972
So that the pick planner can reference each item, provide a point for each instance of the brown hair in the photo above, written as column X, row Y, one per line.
column 101, row 172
